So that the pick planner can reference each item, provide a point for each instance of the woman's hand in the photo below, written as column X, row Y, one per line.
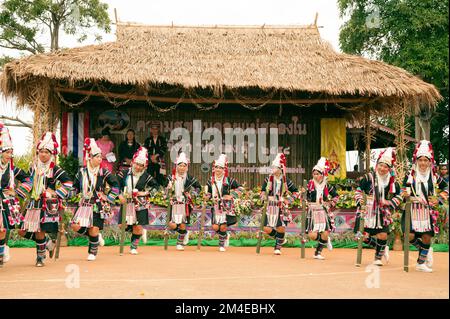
column 122, row 199
column 102, row 197
column 227, row 197
column 385, row 202
column 9, row 192
column 433, row 201
column 262, row 196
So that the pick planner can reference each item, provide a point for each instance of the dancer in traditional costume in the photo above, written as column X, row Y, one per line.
column 136, row 185
column 95, row 205
column 182, row 187
column 10, row 215
column 422, row 184
column 48, row 185
column 383, row 196
column 322, row 198
column 281, row 192
column 223, row 190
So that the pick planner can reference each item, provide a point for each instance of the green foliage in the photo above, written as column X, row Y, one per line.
column 23, row 162
column 346, row 200
column 396, row 226
column 411, row 34
column 343, row 183
column 158, row 199
column 5, row 59
column 23, row 22
column 69, row 163
column 244, row 205
column 442, row 222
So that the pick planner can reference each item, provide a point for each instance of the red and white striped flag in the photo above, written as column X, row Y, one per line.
column 74, row 129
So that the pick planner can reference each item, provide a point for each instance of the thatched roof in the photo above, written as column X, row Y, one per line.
column 293, row 59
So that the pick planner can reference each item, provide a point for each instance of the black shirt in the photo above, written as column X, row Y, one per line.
column 127, row 151
column 160, row 147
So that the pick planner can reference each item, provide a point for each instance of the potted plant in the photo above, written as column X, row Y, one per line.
column 396, row 228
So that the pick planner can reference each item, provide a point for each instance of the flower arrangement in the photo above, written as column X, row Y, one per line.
column 346, row 199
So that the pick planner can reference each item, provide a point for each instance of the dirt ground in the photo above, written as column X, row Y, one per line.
column 237, row 273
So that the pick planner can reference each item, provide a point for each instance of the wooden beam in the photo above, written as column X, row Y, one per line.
column 210, row 100
column 368, row 136
column 218, row 26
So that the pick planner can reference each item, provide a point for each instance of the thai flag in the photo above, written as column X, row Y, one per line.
column 75, row 128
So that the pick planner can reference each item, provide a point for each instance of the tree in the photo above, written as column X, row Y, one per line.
column 28, row 25
column 411, row 34
column 22, row 22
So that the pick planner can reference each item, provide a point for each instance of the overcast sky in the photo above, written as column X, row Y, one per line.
column 202, row 12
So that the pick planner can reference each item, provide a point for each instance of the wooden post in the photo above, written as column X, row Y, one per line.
column 368, row 136
column 406, row 236
column 202, row 221
column 123, row 227
column 361, row 231
column 58, row 237
column 166, row 233
column 60, row 231
column 303, row 220
column 261, row 228
column 422, row 125
column 401, row 128
column 8, row 233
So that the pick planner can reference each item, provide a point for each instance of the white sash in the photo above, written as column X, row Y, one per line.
column 318, row 217
column 84, row 215
column 273, row 212
column 420, row 217
column 178, row 212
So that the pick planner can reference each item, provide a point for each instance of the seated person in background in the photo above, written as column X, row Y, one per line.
column 157, row 148
column 106, row 146
column 443, row 172
column 127, row 149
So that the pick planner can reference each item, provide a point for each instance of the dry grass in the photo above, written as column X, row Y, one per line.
column 290, row 59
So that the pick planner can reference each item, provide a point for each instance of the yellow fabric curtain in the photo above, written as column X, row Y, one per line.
column 333, row 145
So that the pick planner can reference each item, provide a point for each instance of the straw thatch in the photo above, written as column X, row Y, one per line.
column 291, row 59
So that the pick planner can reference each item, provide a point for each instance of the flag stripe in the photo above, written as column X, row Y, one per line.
column 64, row 134
column 80, row 134
column 75, row 128
column 86, row 124
column 69, row 132
column 75, row 135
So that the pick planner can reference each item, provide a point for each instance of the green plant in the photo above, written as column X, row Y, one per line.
column 396, row 226
column 23, row 161
column 69, row 163
column 343, row 183
column 346, row 199
column 158, row 199
column 442, row 223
